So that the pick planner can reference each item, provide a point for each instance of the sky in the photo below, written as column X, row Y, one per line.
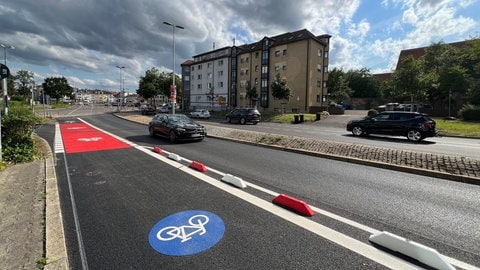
column 85, row 40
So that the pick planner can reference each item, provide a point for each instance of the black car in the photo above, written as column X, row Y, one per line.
column 244, row 115
column 148, row 109
column 415, row 126
column 176, row 127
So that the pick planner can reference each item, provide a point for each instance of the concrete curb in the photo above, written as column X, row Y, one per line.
column 56, row 250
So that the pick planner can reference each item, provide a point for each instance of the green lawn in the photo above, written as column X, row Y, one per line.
column 458, row 128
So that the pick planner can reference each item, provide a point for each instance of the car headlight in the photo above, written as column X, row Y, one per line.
column 180, row 130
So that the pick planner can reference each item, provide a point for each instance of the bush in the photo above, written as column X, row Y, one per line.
column 17, row 129
column 372, row 112
column 470, row 112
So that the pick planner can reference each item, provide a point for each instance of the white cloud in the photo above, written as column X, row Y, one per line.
column 409, row 16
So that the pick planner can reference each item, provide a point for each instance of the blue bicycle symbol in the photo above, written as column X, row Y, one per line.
column 185, row 232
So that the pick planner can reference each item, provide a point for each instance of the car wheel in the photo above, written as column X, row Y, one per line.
column 229, row 120
column 172, row 136
column 243, row 121
column 357, row 131
column 150, row 130
column 414, row 135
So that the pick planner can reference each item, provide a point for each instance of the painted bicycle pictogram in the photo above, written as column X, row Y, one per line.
column 185, row 232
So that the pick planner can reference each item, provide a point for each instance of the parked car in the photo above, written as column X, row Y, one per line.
column 164, row 109
column 146, row 109
column 200, row 114
column 176, row 127
column 415, row 126
column 244, row 115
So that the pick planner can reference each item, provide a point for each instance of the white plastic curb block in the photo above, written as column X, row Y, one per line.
column 174, row 157
column 421, row 253
column 236, row 181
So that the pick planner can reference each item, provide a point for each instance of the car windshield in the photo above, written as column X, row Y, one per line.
column 180, row 118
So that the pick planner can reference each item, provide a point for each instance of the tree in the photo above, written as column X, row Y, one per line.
column 338, row 86
column 363, row 83
column 406, row 80
column 156, row 83
column 280, row 89
column 25, row 80
column 251, row 93
column 57, row 87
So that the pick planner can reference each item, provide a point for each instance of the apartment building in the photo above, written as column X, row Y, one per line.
column 300, row 58
column 208, row 81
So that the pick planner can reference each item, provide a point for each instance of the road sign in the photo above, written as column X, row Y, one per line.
column 4, row 71
column 173, row 93
column 186, row 233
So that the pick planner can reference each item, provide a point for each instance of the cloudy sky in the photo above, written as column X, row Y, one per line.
column 84, row 40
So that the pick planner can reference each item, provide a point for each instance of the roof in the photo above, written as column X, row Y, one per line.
column 419, row 52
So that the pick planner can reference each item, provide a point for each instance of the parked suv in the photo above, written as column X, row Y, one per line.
column 415, row 126
column 244, row 115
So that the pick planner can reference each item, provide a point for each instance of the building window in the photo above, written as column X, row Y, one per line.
column 220, row 84
column 209, row 75
column 187, row 78
column 220, row 62
column 319, row 84
column 256, row 55
column 256, row 68
column 193, row 68
column 242, row 72
column 265, row 55
column 199, row 86
column 242, row 60
column 199, row 76
column 319, row 98
column 284, row 52
column 277, row 53
column 277, row 68
column 319, row 52
column 209, row 64
column 326, row 69
column 326, row 54
column 264, row 69
column 256, row 81
column 284, row 67
column 220, row 73
column 209, row 85
column 246, row 59
column 325, row 84
column 246, row 72
column 319, row 67
column 264, row 83
column 199, row 66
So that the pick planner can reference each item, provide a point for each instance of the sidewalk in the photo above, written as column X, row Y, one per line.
column 29, row 214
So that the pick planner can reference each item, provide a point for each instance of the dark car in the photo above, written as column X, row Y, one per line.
column 148, row 109
column 415, row 126
column 176, row 127
column 244, row 115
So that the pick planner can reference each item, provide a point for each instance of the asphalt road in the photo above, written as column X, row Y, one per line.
column 121, row 194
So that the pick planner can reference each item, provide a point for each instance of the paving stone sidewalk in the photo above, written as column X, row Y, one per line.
column 22, row 206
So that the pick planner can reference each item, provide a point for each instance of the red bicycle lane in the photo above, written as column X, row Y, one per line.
column 80, row 137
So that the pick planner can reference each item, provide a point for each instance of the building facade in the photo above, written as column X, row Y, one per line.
column 220, row 79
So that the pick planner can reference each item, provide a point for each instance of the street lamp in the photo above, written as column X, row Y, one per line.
column 173, row 90
column 120, row 100
column 5, row 47
column 4, row 81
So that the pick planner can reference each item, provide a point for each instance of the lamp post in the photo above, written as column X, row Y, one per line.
column 4, row 81
column 120, row 100
column 173, row 89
